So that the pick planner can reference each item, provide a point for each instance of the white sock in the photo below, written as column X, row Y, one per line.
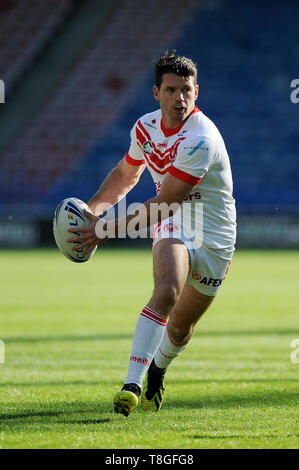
column 149, row 331
column 167, row 351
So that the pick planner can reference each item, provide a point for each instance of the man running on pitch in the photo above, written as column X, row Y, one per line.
column 187, row 158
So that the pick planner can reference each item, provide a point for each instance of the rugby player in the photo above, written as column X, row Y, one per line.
column 187, row 158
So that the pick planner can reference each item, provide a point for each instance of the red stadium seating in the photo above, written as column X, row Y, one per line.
column 94, row 93
column 23, row 30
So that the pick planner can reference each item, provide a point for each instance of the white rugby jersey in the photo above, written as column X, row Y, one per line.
column 194, row 153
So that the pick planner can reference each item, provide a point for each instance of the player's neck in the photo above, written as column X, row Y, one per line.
column 170, row 124
column 171, row 131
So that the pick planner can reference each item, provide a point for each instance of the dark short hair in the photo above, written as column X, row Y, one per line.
column 171, row 63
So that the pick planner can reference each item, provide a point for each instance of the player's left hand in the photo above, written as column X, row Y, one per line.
column 87, row 235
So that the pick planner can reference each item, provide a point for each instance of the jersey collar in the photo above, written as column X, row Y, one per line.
column 169, row 132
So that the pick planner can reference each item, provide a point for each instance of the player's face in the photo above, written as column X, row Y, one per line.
column 176, row 96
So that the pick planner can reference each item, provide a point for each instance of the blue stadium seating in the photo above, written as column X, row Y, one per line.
column 246, row 56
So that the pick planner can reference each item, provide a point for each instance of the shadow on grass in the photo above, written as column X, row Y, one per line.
column 95, row 412
column 263, row 399
column 64, row 415
column 119, row 336
column 29, row 414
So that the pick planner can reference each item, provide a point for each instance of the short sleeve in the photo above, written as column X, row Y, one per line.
column 134, row 155
column 193, row 160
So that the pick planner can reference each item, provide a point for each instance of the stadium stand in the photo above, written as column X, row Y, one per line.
column 90, row 98
column 245, row 72
column 23, row 34
column 51, row 67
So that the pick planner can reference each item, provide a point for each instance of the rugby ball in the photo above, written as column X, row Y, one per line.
column 69, row 214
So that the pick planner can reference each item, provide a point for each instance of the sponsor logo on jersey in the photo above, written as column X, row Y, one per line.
column 170, row 227
column 194, row 148
column 196, row 276
column 162, row 145
column 151, row 125
column 147, row 147
column 192, row 196
column 207, row 281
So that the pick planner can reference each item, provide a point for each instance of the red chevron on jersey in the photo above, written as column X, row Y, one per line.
column 149, row 138
column 194, row 153
column 157, row 160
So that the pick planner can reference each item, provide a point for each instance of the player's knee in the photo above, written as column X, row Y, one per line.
column 168, row 295
column 180, row 334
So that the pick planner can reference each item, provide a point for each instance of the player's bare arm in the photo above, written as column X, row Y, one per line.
column 172, row 191
column 117, row 184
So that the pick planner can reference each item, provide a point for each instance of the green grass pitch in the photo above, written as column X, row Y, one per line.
column 67, row 330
